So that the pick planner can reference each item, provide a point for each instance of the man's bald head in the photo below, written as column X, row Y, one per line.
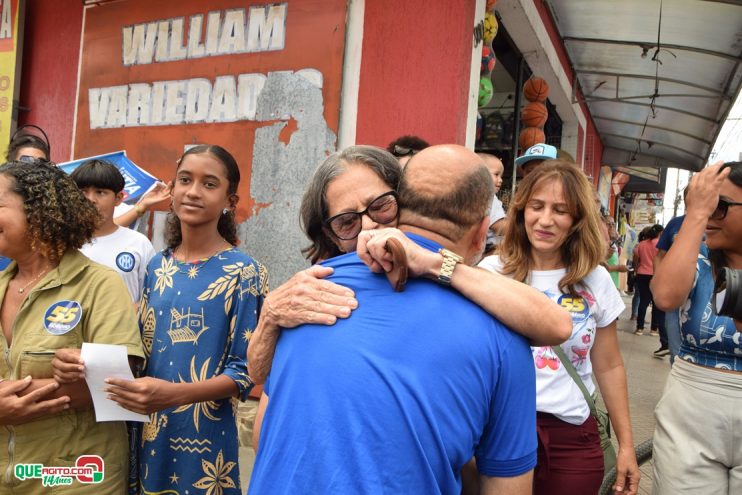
column 448, row 186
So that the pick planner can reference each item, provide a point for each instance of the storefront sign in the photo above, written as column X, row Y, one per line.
column 260, row 78
column 8, row 60
column 604, row 186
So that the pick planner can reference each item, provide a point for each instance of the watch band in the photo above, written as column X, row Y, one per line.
column 449, row 263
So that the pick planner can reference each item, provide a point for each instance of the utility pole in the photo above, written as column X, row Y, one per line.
column 677, row 193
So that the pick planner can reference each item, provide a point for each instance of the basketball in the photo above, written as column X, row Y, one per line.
column 490, row 27
column 488, row 60
column 536, row 89
column 486, row 90
column 534, row 114
column 530, row 136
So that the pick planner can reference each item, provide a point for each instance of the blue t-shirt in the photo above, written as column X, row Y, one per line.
column 4, row 262
column 398, row 397
column 707, row 338
column 668, row 235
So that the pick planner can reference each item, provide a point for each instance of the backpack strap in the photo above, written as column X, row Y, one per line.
column 573, row 373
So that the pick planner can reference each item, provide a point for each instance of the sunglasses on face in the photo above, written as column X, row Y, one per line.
column 721, row 209
column 400, row 151
column 347, row 226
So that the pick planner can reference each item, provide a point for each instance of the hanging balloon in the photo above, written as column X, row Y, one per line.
column 490, row 5
column 488, row 60
column 486, row 90
column 490, row 27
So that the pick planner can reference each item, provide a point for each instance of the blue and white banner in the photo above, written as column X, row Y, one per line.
column 137, row 180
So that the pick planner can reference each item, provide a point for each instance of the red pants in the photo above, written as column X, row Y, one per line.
column 570, row 460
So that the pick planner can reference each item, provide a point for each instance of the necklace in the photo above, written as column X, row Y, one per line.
column 200, row 263
column 34, row 280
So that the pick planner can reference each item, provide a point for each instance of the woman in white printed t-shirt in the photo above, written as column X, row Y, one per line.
column 553, row 242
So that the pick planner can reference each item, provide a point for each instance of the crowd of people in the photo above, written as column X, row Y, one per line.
column 468, row 374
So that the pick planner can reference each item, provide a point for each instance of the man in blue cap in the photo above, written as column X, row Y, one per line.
column 534, row 156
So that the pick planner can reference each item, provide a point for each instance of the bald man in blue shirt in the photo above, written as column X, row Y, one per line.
column 401, row 395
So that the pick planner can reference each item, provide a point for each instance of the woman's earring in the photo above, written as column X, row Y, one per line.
column 225, row 211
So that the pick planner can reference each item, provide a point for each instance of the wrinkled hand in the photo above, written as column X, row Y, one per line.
column 15, row 410
column 306, row 298
column 703, row 190
column 372, row 251
column 160, row 192
column 627, row 472
column 68, row 367
column 142, row 395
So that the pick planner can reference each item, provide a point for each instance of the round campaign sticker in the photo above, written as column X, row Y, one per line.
column 577, row 307
column 125, row 261
column 62, row 316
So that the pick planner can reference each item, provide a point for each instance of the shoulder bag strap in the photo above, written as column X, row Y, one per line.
column 573, row 373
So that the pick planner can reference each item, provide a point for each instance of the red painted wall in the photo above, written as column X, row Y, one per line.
column 51, row 47
column 415, row 71
column 593, row 159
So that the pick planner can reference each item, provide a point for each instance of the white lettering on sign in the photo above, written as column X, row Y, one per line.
column 6, row 21
column 190, row 101
column 227, row 32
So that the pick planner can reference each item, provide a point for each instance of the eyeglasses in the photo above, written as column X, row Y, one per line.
column 721, row 209
column 400, row 151
column 348, row 225
column 28, row 159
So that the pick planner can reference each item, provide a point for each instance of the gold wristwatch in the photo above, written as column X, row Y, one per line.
column 449, row 263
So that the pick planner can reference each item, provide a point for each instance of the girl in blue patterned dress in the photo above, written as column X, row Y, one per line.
column 199, row 307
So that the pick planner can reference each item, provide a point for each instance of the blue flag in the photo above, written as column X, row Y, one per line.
column 137, row 180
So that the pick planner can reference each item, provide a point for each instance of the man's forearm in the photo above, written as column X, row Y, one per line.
column 517, row 485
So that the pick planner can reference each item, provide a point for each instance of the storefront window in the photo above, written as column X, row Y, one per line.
column 496, row 121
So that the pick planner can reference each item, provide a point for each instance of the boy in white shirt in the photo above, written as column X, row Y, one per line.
column 125, row 250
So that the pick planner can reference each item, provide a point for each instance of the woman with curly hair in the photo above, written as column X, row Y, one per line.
column 54, row 298
column 26, row 147
column 554, row 243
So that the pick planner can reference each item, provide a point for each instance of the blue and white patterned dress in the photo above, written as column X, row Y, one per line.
column 708, row 339
column 196, row 321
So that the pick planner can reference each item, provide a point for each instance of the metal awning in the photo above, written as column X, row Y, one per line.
column 659, row 76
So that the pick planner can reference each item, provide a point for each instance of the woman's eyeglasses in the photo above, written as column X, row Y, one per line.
column 347, row 226
column 721, row 209
column 400, row 151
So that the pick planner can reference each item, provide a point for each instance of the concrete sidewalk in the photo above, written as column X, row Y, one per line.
column 646, row 379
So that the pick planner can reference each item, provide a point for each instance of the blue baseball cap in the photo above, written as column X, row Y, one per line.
column 538, row 151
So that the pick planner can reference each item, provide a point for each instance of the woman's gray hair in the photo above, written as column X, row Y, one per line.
column 314, row 210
